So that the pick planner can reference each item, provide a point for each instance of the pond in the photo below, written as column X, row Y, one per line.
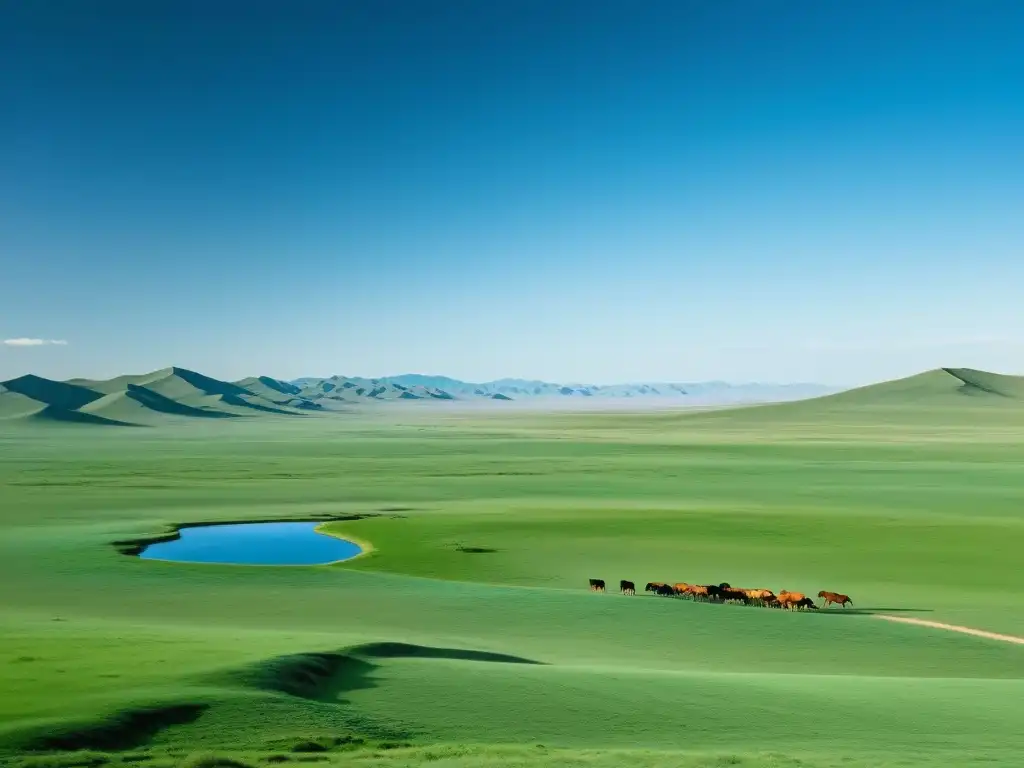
column 253, row 544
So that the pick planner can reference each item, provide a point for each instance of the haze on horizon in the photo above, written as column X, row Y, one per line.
column 571, row 191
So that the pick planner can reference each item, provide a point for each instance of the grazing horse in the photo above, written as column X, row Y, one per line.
column 627, row 587
column 716, row 594
column 790, row 599
column 759, row 596
column 597, row 585
column 665, row 590
column 734, row 594
column 805, row 603
column 652, row 586
column 835, row 597
column 698, row 592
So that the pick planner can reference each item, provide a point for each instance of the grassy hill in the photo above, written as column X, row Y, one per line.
column 176, row 394
column 954, row 397
column 942, row 386
column 170, row 394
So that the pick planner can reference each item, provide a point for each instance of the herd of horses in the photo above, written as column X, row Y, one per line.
column 726, row 593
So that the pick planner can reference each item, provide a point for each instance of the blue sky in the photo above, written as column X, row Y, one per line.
column 576, row 191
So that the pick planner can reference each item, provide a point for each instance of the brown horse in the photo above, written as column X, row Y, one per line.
column 835, row 597
column 790, row 599
column 758, row 596
column 698, row 592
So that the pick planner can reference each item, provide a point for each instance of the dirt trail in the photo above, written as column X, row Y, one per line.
column 954, row 628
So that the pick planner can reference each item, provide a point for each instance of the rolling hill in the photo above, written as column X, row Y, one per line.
column 177, row 393
column 942, row 385
column 939, row 387
column 146, row 399
column 944, row 395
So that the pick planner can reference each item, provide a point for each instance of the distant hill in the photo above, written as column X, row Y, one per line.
column 946, row 395
column 177, row 394
column 414, row 386
column 146, row 399
column 942, row 385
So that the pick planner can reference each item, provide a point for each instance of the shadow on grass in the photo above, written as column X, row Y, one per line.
column 407, row 651
column 328, row 676
column 241, row 402
column 868, row 611
column 57, row 414
column 323, row 677
column 123, row 729
column 157, row 402
column 56, row 394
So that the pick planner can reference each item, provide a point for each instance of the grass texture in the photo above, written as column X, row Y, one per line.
column 468, row 635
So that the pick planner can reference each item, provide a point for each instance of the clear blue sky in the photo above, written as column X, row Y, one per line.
column 808, row 190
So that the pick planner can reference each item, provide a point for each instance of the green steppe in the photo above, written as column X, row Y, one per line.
column 908, row 496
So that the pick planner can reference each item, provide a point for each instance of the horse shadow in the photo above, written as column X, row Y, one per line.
column 831, row 611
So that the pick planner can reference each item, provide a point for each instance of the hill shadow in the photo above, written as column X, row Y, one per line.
column 241, row 402
column 163, row 404
column 207, row 385
column 328, row 676
column 313, row 676
column 280, row 386
column 54, row 393
column 388, row 650
column 54, row 413
column 303, row 404
column 124, row 729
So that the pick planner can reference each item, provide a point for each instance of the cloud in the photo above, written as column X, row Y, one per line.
column 35, row 342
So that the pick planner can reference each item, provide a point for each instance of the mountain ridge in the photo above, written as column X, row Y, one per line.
column 179, row 394
column 167, row 394
column 515, row 388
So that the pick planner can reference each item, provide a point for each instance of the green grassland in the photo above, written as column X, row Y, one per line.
column 908, row 497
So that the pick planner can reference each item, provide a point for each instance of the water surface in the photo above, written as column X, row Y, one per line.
column 253, row 544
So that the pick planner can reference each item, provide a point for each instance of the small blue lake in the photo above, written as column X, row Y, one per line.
column 253, row 544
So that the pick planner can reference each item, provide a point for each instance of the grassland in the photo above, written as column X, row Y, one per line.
column 423, row 653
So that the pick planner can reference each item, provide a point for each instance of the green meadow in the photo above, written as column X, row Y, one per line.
column 467, row 635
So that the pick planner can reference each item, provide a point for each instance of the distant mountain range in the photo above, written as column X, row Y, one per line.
column 417, row 386
column 176, row 393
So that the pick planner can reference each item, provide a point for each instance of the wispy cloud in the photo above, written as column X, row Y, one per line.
column 23, row 342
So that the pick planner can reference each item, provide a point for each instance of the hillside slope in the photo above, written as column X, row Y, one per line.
column 170, row 394
column 942, row 395
column 174, row 394
column 942, row 386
